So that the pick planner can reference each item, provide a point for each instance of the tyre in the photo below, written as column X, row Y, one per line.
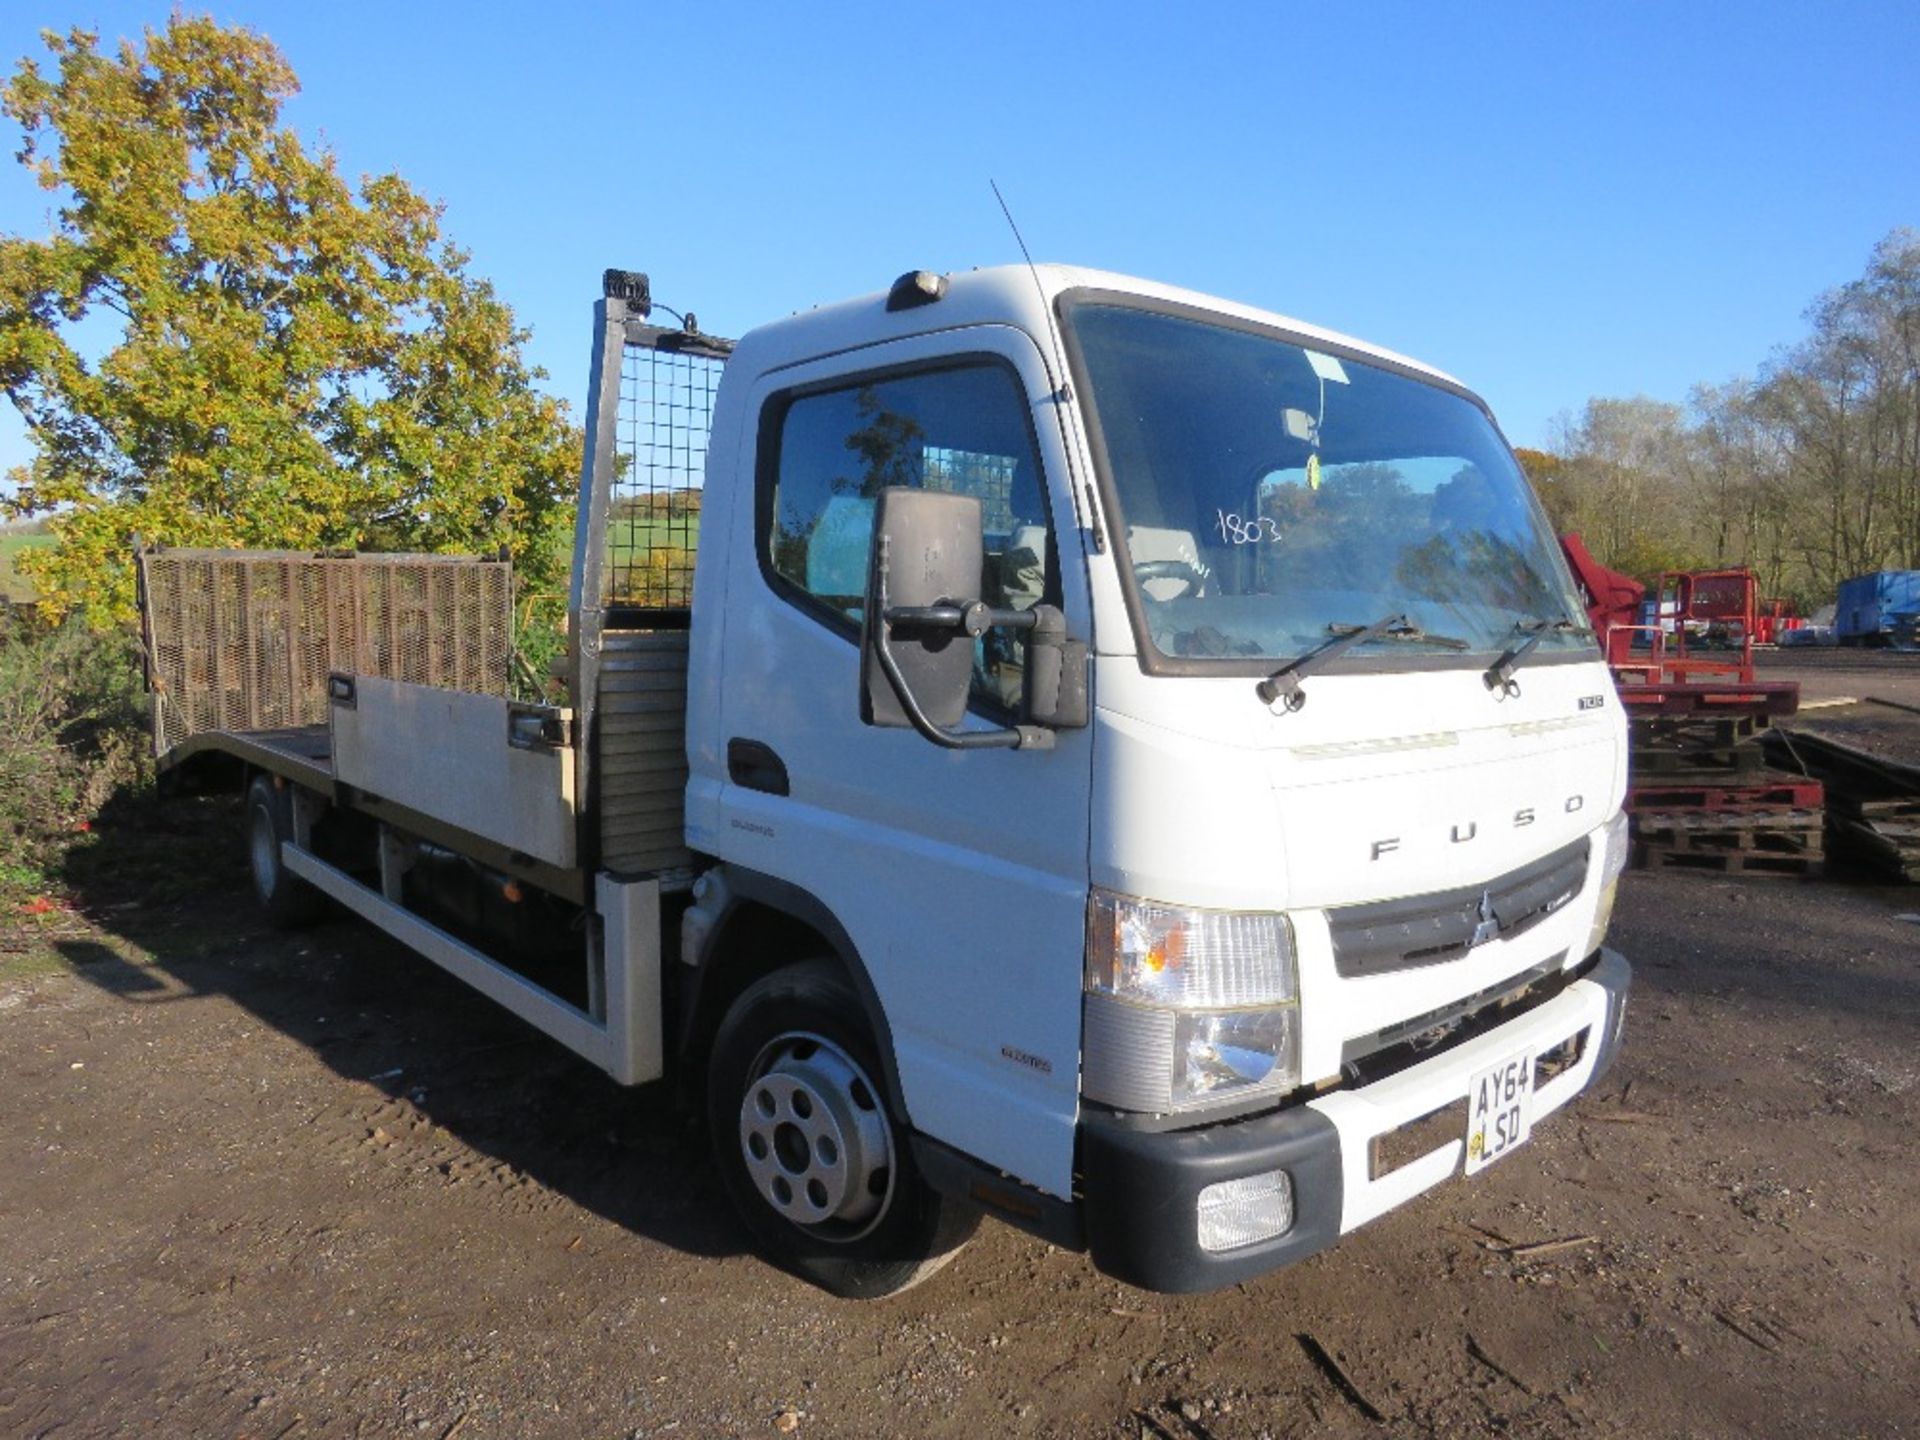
column 289, row 902
column 819, row 1171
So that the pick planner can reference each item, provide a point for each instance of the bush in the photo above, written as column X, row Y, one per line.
column 72, row 731
column 539, row 643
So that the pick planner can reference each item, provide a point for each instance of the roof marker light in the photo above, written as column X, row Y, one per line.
column 916, row 287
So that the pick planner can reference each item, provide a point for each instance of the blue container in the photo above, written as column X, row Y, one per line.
column 1870, row 606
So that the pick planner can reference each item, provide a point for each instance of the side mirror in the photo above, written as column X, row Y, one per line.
column 917, row 632
column 926, row 557
column 1056, row 673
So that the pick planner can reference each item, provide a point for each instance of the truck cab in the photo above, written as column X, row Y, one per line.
column 1178, row 971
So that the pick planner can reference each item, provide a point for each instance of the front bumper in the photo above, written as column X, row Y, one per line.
column 1142, row 1188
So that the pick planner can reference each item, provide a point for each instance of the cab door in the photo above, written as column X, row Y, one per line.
column 959, row 876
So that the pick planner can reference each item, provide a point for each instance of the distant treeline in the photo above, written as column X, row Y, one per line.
column 659, row 506
column 1808, row 471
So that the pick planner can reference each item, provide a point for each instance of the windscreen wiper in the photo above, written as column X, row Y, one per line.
column 1284, row 683
column 1499, row 675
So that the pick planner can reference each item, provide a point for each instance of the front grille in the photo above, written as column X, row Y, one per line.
column 1373, row 1056
column 1387, row 935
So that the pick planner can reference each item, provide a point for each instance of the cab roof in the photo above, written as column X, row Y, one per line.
column 1008, row 295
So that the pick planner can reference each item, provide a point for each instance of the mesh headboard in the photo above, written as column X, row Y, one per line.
column 660, row 461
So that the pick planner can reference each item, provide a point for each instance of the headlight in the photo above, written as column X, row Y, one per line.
column 1615, row 843
column 1185, row 1007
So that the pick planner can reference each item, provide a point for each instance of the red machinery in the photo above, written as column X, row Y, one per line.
column 1613, row 599
column 1709, row 610
column 1774, row 619
column 1700, row 791
column 1668, row 667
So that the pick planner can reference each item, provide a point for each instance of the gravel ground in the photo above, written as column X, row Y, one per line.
column 1855, row 674
column 269, row 1187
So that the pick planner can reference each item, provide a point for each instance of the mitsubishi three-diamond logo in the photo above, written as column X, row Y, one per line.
column 1487, row 926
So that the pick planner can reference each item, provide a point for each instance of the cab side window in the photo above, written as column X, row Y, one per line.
column 964, row 429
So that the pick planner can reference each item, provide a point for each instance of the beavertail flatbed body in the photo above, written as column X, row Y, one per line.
column 416, row 793
column 1125, row 760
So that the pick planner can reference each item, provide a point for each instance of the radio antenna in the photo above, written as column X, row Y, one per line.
column 1064, row 395
column 1015, row 228
column 1065, row 392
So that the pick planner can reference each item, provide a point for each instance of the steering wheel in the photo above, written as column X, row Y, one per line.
column 1194, row 578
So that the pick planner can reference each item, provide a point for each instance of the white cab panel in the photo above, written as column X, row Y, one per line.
column 1383, row 786
column 960, row 877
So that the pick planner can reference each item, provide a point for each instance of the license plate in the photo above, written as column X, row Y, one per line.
column 1499, row 1110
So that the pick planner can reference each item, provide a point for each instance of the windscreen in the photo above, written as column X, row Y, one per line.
column 1272, row 496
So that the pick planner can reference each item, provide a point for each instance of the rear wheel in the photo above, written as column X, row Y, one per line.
column 819, row 1171
column 289, row 902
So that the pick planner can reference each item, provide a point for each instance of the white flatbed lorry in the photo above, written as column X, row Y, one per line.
column 1123, row 762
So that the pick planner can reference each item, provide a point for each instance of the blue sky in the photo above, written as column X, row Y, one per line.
column 1551, row 200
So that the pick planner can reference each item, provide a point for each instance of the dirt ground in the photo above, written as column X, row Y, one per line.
column 273, row 1187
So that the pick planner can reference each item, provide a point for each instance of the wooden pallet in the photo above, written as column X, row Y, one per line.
column 1739, row 842
column 1771, row 790
column 1697, row 747
column 1889, row 845
column 1681, row 765
column 1780, row 830
column 1728, row 862
column 1868, row 808
column 1696, row 732
column 1718, row 698
column 1873, row 802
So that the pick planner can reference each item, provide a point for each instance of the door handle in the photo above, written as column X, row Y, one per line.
column 754, row 766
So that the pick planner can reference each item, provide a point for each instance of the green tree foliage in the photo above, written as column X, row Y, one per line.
column 70, row 732
column 294, row 363
column 1807, row 473
column 1548, row 474
column 1839, row 417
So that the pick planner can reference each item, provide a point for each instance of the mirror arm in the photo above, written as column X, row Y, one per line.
column 957, row 617
column 975, row 618
column 934, row 617
column 1024, row 737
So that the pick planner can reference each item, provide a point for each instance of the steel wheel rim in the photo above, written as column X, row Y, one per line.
column 815, row 1140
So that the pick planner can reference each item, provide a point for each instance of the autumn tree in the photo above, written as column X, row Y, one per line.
column 1807, row 473
column 1547, row 473
column 289, row 361
column 1844, row 407
column 1627, row 462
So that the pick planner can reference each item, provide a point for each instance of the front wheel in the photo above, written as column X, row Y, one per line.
column 819, row 1171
